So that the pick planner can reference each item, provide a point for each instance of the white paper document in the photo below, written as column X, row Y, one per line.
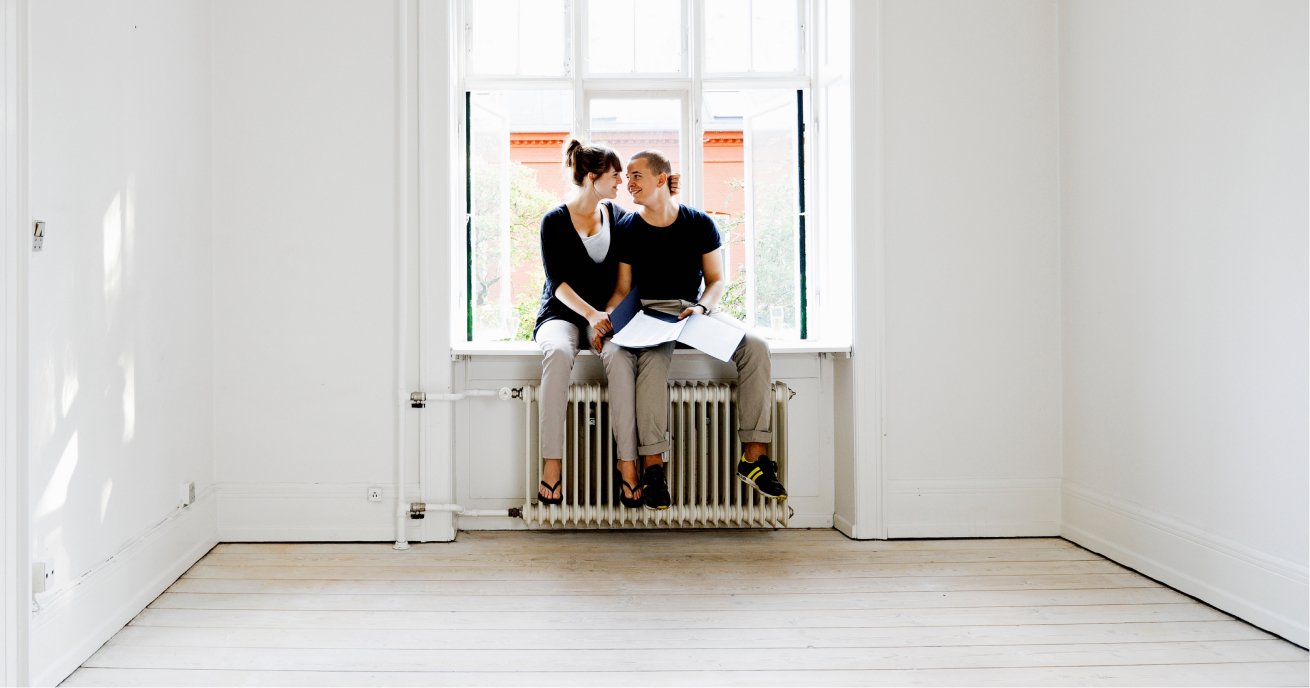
column 714, row 337
column 645, row 330
column 718, row 339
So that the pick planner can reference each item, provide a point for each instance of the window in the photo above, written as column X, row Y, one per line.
column 720, row 86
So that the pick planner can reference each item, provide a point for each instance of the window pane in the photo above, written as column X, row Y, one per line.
column 751, row 36
column 630, row 37
column 727, row 36
column 631, row 125
column 517, row 37
column 516, row 160
column 774, row 34
column 752, row 183
column 609, row 31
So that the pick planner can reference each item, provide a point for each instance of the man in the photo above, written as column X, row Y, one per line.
column 667, row 250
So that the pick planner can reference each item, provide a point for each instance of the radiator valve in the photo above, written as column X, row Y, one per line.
column 418, row 400
column 507, row 393
column 417, row 510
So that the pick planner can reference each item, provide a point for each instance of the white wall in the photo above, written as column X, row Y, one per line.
column 1184, row 180
column 120, row 338
column 969, row 114
column 859, row 383
column 303, row 255
column 14, row 248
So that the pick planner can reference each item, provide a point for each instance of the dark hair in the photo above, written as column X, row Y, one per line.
column 585, row 160
column 659, row 164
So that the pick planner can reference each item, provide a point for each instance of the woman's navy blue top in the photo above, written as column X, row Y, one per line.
column 567, row 262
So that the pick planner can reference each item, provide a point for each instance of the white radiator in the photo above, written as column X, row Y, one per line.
column 705, row 491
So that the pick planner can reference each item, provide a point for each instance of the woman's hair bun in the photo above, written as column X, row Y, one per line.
column 570, row 151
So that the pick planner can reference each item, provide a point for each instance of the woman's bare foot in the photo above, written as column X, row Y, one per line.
column 629, row 483
column 550, row 475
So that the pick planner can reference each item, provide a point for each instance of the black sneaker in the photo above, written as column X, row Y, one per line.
column 655, row 488
column 761, row 474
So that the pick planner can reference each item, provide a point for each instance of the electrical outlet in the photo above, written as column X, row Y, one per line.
column 188, row 493
column 374, row 494
column 38, row 236
column 41, row 576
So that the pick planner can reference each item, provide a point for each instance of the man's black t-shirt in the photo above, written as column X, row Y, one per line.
column 666, row 261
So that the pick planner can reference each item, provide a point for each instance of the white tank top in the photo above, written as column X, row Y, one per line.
column 598, row 244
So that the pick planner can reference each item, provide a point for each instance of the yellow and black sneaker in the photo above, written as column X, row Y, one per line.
column 761, row 474
column 655, row 488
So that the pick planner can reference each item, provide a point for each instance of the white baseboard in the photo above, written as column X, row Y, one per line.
column 1264, row 590
column 972, row 508
column 308, row 512
column 73, row 622
column 844, row 526
column 260, row 512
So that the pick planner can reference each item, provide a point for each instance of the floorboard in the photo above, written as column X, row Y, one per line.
column 681, row 608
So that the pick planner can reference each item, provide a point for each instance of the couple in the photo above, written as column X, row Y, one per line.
column 594, row 253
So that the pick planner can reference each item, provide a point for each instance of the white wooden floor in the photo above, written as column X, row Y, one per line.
column 677, row 608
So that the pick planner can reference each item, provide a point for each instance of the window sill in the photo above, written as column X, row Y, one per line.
column 530, row 348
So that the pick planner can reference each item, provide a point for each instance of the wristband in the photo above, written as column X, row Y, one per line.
column 705, row 309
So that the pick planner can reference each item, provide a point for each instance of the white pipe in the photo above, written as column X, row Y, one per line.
column 457, row 509
column 402, row 257
column 529, row 417
column 422, row 311
column 418, row 400
column 502, row 392
column 423, row 397
column 422, row 456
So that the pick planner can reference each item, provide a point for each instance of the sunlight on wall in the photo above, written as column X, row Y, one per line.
column 92, row 379
column 113, row 241
column 127, row 365
column 105, row 493
column 71, row 386
column 123, row 266
column 56, row 491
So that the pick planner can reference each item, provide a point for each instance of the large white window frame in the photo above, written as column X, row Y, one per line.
column 690, row 86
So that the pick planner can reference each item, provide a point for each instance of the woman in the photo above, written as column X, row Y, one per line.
column 580, row 256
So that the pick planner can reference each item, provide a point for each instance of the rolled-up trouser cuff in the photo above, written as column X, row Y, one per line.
column 652, row 399
column 657, row 448
column 762, row 436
